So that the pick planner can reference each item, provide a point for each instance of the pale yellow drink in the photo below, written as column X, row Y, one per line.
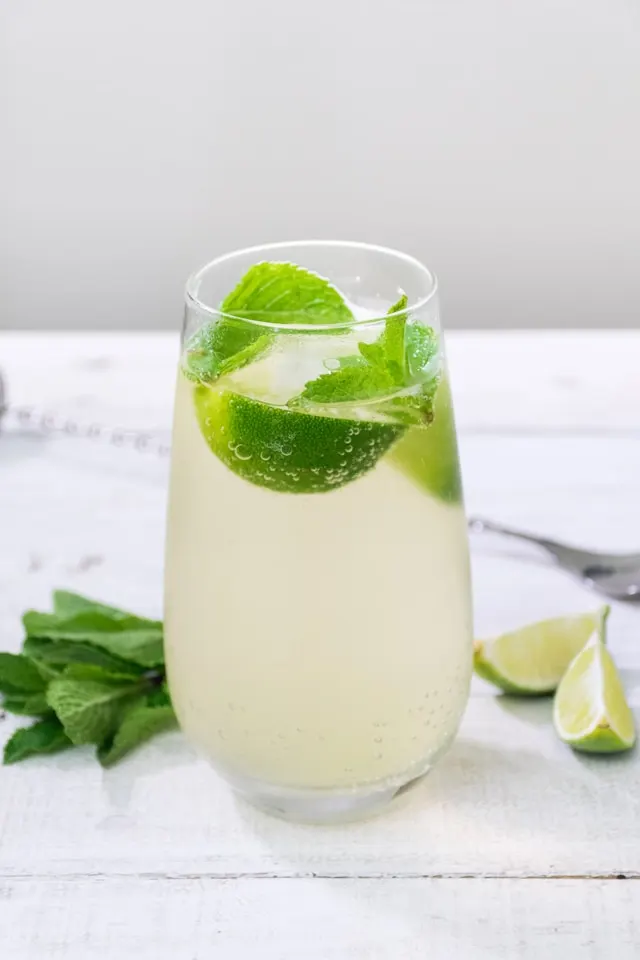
column 317, row 612
column 319, row 640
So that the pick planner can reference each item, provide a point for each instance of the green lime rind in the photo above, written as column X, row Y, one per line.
column 590, row 710
column 286, row 451
column 324, row 453
column 484, row 670
column 429, row 455
column 601, row 740
column 531, row 661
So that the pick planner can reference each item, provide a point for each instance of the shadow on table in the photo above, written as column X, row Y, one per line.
column 611, row 765
column 477, row 811
column 534, row 710
column 631, row 679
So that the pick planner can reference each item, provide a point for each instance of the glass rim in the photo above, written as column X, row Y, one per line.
column 192, row 286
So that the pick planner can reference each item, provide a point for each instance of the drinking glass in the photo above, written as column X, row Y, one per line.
column 317, row 613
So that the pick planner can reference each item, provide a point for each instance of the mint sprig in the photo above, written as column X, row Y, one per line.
column 46, row 736
column 144, row 718
column 127, row 637
column 19, row 675
column 401, row 359
column 90, row 710
column 27, row 704
column 93, row 673
column 281, row 293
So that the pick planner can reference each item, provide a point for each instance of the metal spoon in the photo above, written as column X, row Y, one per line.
column 616, row 575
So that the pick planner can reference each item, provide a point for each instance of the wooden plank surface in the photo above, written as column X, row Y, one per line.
column 506, row 801
column 156, row 852
column 317, row 919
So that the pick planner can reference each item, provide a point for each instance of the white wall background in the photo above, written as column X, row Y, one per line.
column 499, row 140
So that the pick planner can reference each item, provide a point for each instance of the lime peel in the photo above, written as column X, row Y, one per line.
column 286, row 451
column 532, row 661
column 590, row 711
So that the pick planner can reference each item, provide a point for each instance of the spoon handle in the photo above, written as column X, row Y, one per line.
column 480, row 525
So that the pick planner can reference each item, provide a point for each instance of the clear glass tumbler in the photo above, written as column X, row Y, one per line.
column 318, row 621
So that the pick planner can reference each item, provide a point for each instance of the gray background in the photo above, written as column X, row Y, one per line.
column 498, row 140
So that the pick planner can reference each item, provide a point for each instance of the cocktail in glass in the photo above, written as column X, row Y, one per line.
column 318, row 622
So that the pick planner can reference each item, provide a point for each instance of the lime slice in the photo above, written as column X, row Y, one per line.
column 532, row 661
column 429, row 456
column 590, row 711
column 287, row 451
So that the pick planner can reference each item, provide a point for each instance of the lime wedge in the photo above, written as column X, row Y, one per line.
column 532, row 661
column 284, row 450
column 590, row 711
column 429, row 456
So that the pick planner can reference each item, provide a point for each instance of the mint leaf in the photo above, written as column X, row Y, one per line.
column 47, row 736
column 421, row 350
column 92, row 671
column 82, row 669
column 50, row 656
column 160, row 696
column 67, row 604
column 27, row 704
column 388, row 353
column 399, row 360
column 246, row 355
column 89, row 710
column 143, row 720
column 280, row 293
column 220, row 347
column 128, row 637
column 19, row 675
column 352, row 382
column 286, row 293
column 46, row 670
column 79, row 619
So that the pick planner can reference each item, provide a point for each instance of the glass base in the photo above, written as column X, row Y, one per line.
column 323, row 806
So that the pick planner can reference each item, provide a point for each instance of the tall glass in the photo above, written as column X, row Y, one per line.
column 318, row 623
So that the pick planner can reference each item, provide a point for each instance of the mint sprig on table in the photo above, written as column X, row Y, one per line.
column 282, row 293
column 91, row 674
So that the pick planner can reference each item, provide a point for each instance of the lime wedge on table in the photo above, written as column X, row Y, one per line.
column 533, row 660
column 590, row 711
column 286, row 451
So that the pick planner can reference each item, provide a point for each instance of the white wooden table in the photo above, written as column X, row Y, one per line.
column 514, row 847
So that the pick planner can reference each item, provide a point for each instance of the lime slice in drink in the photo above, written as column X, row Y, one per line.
column 590, row 711
column 532, row 661
column 284, row 450
column 429, row 456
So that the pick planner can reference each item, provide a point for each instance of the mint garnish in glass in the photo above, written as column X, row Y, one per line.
column 279, row 293
column 397, row 374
